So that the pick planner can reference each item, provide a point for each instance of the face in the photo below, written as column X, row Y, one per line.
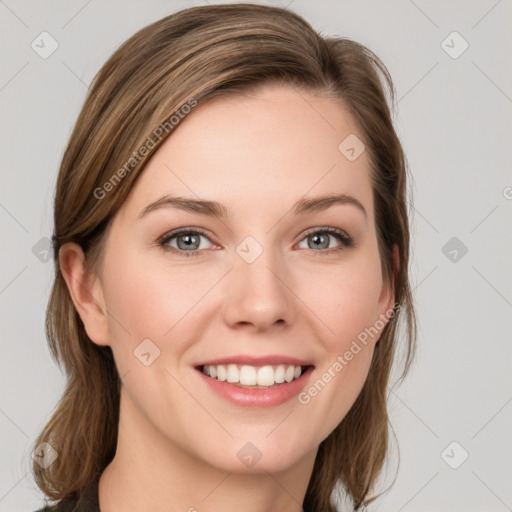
column 266, row 284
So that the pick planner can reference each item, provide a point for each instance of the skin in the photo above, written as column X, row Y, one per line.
column 178, row 440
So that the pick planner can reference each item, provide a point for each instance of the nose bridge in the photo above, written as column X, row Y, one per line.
column 257, row 292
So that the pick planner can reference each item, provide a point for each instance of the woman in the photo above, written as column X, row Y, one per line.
column 231, row 246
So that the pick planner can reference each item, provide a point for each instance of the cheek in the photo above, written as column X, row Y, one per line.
column 345, row 299
column 147, row 302
column 148, row 299
column 348, row 308
column 139, row 303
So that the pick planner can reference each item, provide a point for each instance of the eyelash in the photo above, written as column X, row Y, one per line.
column 346, row 240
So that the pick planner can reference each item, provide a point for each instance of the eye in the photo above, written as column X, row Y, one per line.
column 184, row 241
column 187, row 241
column 321, row 238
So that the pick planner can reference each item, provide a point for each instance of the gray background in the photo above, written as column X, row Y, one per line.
column 454, row 120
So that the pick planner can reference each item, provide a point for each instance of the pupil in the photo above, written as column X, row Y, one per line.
column 188, row 239
column 318, row 240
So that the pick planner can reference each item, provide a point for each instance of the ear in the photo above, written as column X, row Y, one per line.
column 387, row 294
column 86, row 292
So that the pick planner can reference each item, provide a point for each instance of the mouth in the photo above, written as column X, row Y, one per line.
column 258, row 382
column 255, row 376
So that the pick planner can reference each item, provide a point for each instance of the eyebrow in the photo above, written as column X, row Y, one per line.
column 215, row 209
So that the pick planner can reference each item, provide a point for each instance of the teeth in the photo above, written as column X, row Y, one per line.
column 279, row 375
column 245, row 375
column 266, row 376
column 221, row 372
column 233, row 373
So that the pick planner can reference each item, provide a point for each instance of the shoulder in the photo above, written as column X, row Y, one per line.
column 69, row 506
column 86, row 501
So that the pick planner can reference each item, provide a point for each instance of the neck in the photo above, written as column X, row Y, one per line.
column 151, row 472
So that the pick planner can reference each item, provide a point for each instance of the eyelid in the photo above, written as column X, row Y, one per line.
column 325, row 229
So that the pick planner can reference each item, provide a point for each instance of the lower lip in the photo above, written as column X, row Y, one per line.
column 250, row 397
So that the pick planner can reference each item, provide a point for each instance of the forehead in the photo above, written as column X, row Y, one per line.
column 270, row 147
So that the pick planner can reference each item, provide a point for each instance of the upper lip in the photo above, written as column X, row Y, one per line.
column 257, row 361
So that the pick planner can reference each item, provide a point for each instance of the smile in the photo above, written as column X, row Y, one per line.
column 254, row 377
column 256, row 382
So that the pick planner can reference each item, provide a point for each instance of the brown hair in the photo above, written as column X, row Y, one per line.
column 192, row 56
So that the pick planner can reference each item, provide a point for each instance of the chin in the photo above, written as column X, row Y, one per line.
column 259, row 455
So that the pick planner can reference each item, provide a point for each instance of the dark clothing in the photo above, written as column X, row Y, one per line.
column 87, row 502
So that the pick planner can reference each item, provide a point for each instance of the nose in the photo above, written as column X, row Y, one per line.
column 258, row 295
